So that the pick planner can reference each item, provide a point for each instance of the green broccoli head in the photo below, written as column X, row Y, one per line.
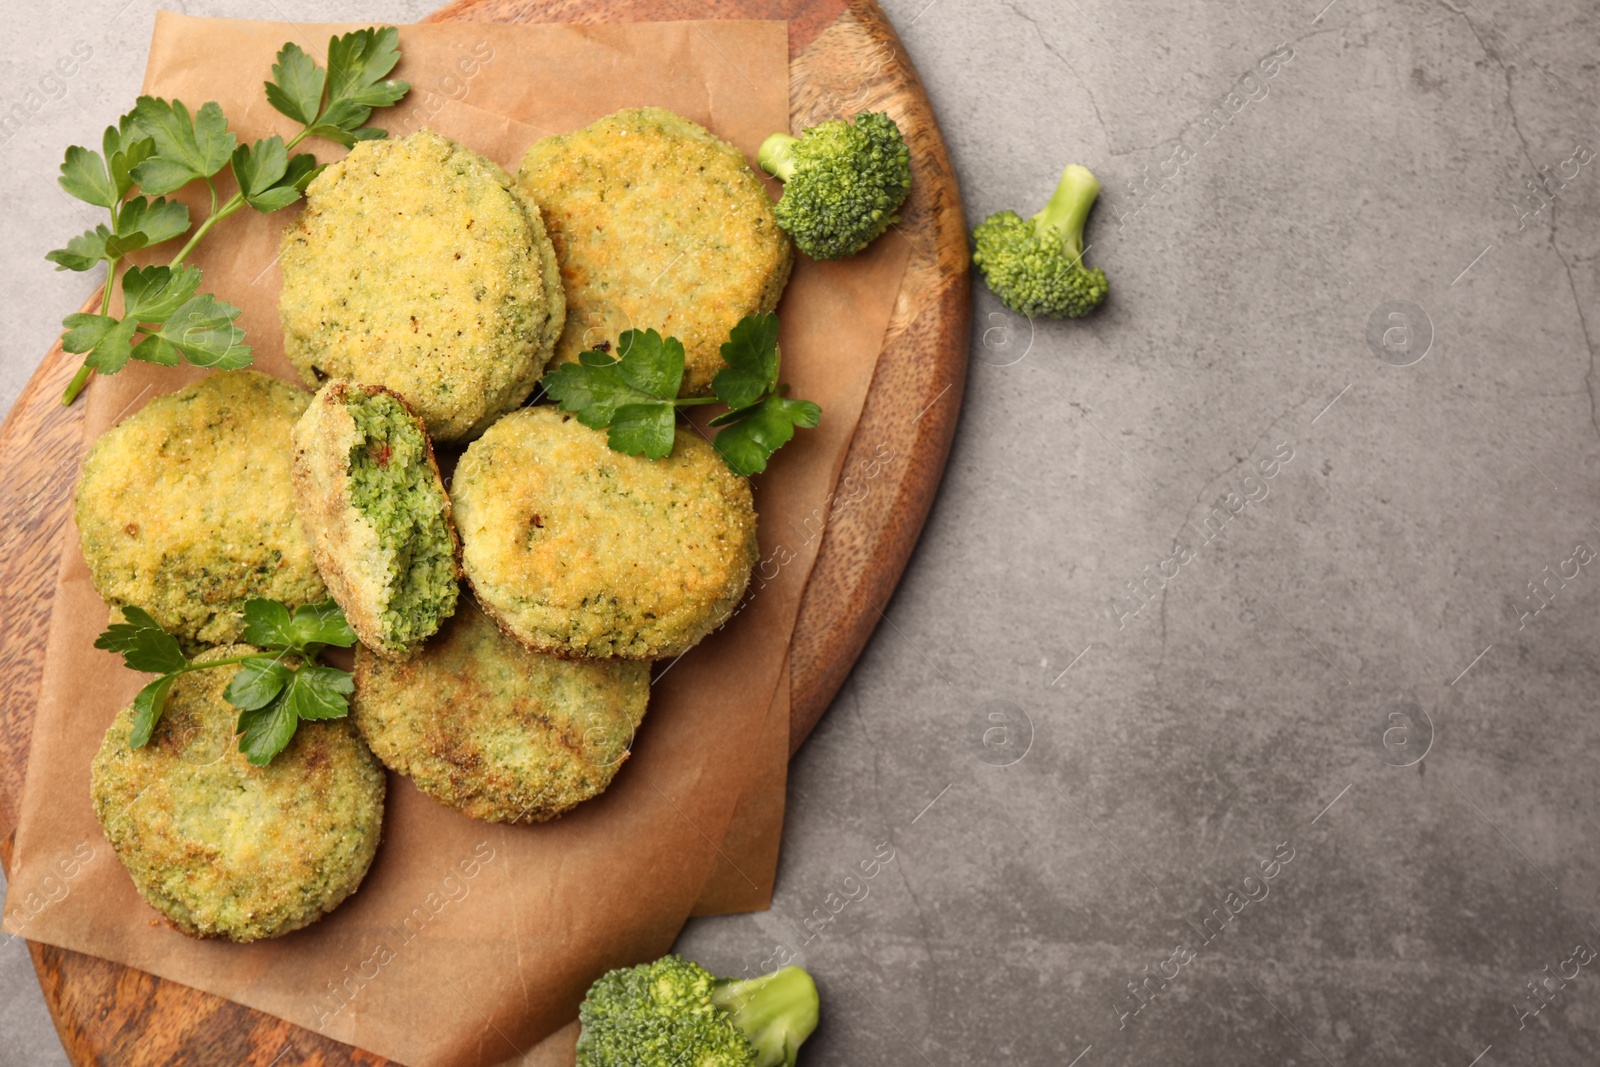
column 1035, row 266
column 843, row 182
column 675, row 1013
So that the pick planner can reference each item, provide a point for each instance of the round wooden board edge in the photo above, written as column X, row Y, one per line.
column 911, row 408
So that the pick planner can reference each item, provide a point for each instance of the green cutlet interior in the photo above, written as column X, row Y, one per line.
column 392, row 484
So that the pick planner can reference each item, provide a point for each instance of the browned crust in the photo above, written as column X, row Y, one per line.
column 560, row 649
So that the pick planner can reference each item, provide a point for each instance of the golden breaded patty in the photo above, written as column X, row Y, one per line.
column 577, row 550
column 186, row 508
column 414, row 267
column 660, row 225
column 375, row 511
column 483, row 725
column 224, row 849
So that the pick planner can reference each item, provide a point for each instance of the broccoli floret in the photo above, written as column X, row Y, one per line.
column 1035, row 266
column 842, row 182
column 675, row 1012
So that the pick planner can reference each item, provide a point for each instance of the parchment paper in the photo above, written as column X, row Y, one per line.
column 470, row 943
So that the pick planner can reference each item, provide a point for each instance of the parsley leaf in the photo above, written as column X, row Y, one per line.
column 267, row 623
column 357, row 63
column 83, row 251
column 84, row 176
column 186, row 149
column 316, row 625
column 306, row 631
column 650, row 365
column 749, row 440
column 296, row 88
column 595, row 386
column 125, row 146
column 102, row 339
column 268, row 178
column 355, row 82
column 178, row 325
column 104, row 179
column 150, row 294
column 266, row 731
column 751, row 355
column 257, row 683
column 308, row 693
column 643, row 429
column 634, row 397
column 201, row 332
column 142, row 222
column 139, row 223
column 320, row 693
column 761, row 420
column 147, row 709
column 144, row 645
column 273, row 689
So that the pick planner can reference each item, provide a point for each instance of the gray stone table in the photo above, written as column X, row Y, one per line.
column 1238, row 706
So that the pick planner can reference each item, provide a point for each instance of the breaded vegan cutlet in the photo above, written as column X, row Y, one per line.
column 577, row 550
column 186, row 507
column 376, row 513
column 413, row 266
column 225, row 849
column 658, row 224
column 483, row 725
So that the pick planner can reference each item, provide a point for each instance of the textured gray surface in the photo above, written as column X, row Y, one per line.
column 1372, row 603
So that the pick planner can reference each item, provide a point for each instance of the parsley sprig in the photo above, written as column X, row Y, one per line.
column 273, row 689
column 634, row 396
column 160, row 147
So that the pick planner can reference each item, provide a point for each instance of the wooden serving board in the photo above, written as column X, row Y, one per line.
column 844, row 57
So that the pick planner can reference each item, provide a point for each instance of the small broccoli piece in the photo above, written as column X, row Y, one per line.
column 842, row 182
column 776, row 1012
column 675, row 1012
column 1035, row 266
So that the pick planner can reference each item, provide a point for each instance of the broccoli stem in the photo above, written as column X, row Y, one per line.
column 776, row 1011
column 777, row 156
column 1068, row 209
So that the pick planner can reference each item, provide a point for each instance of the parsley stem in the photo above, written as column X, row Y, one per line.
column 693, row 400
column 75, row 387
column 218, row 662
column 229, row 206
column 81, row 379
column 277, row 654
column 105, row 294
